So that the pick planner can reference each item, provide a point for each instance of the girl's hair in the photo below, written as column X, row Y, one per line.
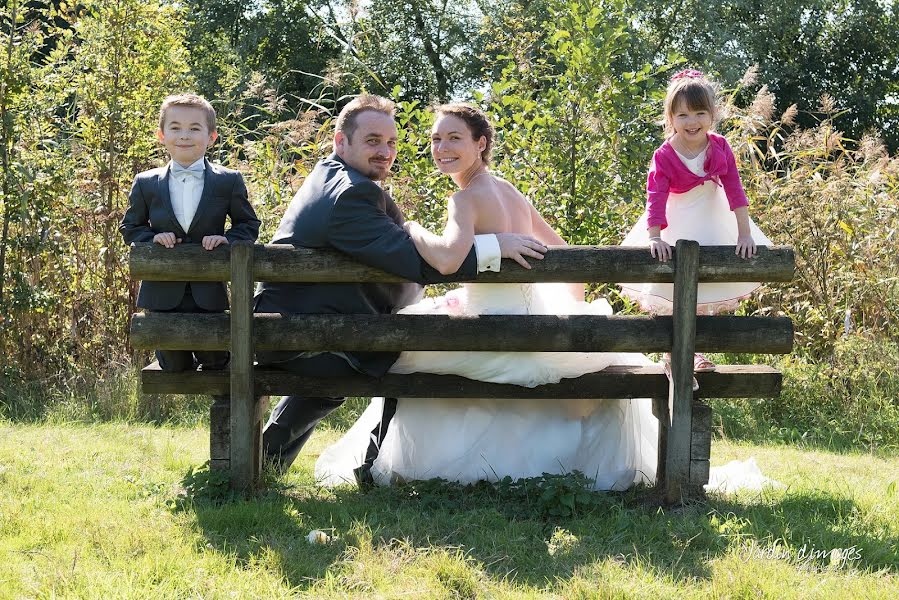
column 477, row 122
column 693, row 89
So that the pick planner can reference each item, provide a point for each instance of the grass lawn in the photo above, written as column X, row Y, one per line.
column 92, row 512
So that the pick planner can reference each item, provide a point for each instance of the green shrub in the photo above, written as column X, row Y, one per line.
column 834, row 201
column 850, row 400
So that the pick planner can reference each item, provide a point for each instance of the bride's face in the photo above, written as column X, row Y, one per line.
column 452, row 146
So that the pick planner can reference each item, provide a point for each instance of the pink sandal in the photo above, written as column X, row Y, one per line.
column 666, row 367
column 702, row 365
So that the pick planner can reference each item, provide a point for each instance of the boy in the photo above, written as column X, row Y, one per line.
column 185, row 202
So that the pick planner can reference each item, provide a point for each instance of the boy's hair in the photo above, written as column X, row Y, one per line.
column 189, row 101
column 475, row 119
column 346, row 120
column 693, row 89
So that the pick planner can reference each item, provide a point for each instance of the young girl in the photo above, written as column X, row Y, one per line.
column 692, row 186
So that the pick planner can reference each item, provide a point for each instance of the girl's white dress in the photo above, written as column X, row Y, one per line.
column 701, row 214
column 613, row 442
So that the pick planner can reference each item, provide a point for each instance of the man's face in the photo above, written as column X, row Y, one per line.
column 372, row 149
column 186, row 134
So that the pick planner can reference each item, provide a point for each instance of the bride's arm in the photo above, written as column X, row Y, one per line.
column 447, row 252
column 549, row 236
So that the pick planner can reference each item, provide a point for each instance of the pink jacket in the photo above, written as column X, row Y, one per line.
column 668, row 173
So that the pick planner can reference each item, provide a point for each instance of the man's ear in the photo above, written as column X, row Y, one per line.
column 340, row 142
column 213, row 136
column 482, row 143
column 160, row 136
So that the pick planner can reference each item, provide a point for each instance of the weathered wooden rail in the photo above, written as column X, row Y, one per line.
column 685, row 431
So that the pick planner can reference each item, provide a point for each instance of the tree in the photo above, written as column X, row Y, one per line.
column 430, row 48
column 228, row 40
column 21, row 38
column 80, row 105
column 574, row 108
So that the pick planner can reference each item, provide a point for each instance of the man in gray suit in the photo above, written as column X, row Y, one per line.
column 340, row 205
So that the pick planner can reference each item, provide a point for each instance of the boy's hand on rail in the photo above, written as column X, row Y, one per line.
column 213, row 241
column 517, row 246
column 166, row 239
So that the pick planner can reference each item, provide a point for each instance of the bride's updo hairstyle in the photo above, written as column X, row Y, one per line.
column 477, row 123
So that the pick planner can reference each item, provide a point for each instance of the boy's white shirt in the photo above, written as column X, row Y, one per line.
column 185, row 192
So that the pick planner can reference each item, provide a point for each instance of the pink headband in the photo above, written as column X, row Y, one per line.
column 691, row 73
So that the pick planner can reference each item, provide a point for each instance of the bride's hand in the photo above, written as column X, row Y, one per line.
column 407, row 226
column 517, row 246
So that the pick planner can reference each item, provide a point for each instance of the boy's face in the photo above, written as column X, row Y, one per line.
column 186, row 134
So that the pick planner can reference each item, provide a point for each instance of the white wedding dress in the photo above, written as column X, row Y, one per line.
column 614, row 442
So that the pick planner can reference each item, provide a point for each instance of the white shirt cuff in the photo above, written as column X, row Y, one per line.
column 486, row 246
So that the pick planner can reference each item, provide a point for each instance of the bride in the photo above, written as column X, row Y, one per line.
column 614, row 442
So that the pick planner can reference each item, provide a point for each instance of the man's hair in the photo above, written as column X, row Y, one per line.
column 346, row 120
column 188, row 101
column 476, row 120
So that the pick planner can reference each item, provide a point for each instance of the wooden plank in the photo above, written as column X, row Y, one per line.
column 220, row 433
column 700, row 445
column 660, row 410
column 509, row 333
column 702, row 417
column 245, row 466
column 740, row 381
column 677, row 468
column 699, row 473
column 186, row 262
column 618, row 264
column 729, row 381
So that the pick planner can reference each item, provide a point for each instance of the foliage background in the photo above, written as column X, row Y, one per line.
column 574, row 88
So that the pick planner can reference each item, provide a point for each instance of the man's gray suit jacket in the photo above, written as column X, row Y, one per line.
column 339, row 207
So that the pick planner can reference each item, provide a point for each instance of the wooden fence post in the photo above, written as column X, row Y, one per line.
column 686, row 277
column 245, row 426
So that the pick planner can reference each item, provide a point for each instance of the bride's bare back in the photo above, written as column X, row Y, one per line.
column 497, row 206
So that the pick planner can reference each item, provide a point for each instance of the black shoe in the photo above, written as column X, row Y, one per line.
column 364, row 478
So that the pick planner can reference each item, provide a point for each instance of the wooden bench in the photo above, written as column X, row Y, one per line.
column 685, row 431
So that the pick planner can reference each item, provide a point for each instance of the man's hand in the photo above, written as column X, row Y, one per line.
column 213, row 241
column 517, row 246
column 166, row 239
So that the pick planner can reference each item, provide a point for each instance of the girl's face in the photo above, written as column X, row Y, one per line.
column 690, row 125
column 452, row 146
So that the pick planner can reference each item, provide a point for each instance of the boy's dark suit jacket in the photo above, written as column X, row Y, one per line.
column 150, row 212
column 339, row 207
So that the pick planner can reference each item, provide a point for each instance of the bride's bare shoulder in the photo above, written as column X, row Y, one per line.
column 492, row 191
column 509, row 190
